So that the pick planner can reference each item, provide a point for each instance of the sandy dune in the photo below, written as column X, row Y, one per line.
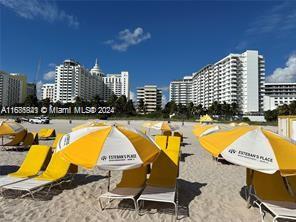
column 208, row 191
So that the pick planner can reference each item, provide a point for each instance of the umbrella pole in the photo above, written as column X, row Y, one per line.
column 250, row 189
column 109, row 178
column 288, row 186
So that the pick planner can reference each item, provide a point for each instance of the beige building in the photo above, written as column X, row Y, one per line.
column 151, row 96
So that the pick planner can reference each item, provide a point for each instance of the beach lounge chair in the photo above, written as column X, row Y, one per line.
column 271, row 194
column 17, row 138
column 30, row 139
column 162, row 183
column 174, row 143
column 130, row 186
column 161, row 141
column 167, row 133
column 30, row 167
column 176, row 133
column 47, row 133
column 53, row 175
column 56, row 140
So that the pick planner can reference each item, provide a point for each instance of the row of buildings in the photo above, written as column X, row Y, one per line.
column 14, row 88
column 237, row 78
column 73, row 80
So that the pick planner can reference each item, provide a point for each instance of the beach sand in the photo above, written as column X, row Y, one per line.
column 208, row 191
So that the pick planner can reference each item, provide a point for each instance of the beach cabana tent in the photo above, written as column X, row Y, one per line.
column 15, row 131
column 108, row 147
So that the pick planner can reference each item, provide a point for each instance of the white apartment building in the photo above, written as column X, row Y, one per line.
column 12, row 88
column 47, row 91
column 277, row 94
column 151, row 96
column 181, row 90
column 73, row 80
column 237, row 78
column 117, row 84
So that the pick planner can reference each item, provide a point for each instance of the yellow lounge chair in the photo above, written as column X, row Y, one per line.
column 17, row 138
column 47, row 133
column 56, row 140
column 131, row 184
column 30, row 167
column 167, row 133
column 30, row 139
column 162, row 183
column 179, row 135
column 271, row 193
column 174, row 143
column 55, row 172
column 161, row 141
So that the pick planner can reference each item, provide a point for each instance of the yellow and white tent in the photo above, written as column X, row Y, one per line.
column 108, row 147
column 254, row 148
column 162, row 125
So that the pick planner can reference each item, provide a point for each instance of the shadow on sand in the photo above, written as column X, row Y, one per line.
column 184, row 155
column 6, row 169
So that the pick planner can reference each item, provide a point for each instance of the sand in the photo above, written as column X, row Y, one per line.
column 208, row 191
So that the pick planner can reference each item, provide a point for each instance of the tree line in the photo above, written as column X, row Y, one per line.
column 272, row 115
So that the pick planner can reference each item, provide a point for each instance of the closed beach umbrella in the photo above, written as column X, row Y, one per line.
column 202, row 130
column 108, row 147
column 254, row 148
column 88, row 124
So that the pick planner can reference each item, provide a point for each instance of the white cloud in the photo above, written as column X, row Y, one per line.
column 47, row 10
column 49, row 75
column 133, row 96
column 38, row 89
column 286, row 74
column 126, row 38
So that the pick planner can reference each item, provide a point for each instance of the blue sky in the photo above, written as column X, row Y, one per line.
column 155, row 41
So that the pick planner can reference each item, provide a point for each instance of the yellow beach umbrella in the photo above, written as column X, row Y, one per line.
column 206, row 118
column 14, row 130
column 243, row 124
column 254, row 148
column 108, row 147
column 203, row 130
column 89, row 124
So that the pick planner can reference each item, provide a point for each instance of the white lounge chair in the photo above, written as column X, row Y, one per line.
column 280, row 209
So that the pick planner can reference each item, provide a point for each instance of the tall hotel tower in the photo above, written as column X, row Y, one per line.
column 237, row 78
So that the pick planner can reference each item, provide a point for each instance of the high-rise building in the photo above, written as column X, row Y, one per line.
column 237, row 78
column 47, row 91
column 73, row 80
column 277, row 94
column 181, row 90
column 151, row 96
column 117, row 84
column 31, row 89
column 13, row 88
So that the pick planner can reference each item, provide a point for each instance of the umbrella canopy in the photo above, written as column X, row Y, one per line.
column 254, row 148
column 108, row 147
column 10, row 128
column 162, row 125
column 202, row 130
column 88, row 124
